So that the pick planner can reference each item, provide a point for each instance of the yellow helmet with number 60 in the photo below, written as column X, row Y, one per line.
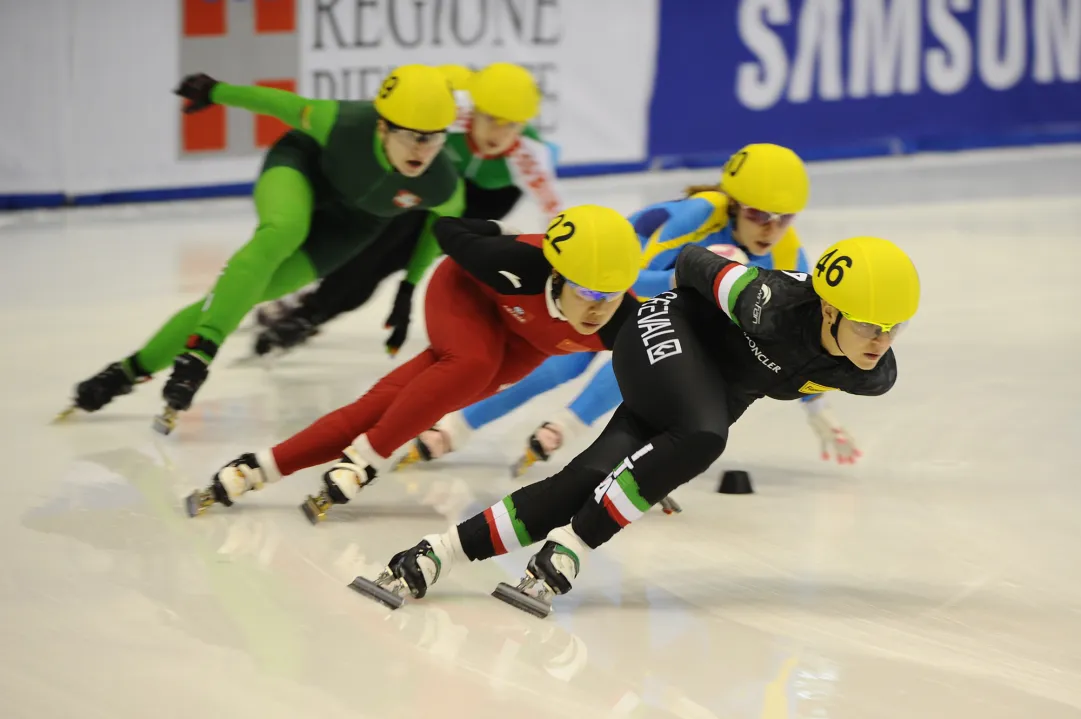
column 869, row 280
column 594, row 247
column 506, row 92
column 767, row 177
column 416, row 97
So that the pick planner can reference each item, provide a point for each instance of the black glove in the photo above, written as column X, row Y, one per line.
column 399, row 317
column 196, row 90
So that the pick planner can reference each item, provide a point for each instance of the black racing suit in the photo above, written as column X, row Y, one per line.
column 688, row 366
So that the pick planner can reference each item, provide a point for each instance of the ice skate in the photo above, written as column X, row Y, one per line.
column 285, row 334
column 243, row 474
column 411, row 573
column 548, row 439
column 670, row 506
column 190, row 371
column 422, row 448
column 343, row 481
column 548, row 573
column 443, row 438
column 92, row 394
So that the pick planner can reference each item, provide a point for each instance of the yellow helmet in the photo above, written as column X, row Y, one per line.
column 505, row 91
column 869, row 280
column 594, row 247
column 767, row 177
column 457, row 75
column 416, row 97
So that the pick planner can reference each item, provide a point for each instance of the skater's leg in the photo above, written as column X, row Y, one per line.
column 353, row 284
column 553, row 372
column 528, row 514
column 599, row 397
column 283, row 201
column 468, row 340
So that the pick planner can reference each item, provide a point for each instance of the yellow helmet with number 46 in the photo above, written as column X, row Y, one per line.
column 595, row 248
column 870, row 280
column 767, row 177
column 416, row 97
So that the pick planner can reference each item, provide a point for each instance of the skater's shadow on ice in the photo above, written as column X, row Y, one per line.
column 825, row 599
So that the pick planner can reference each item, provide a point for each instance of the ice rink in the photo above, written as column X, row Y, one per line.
column 939, row 577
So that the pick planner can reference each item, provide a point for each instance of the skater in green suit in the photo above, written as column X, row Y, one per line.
column 326, row 191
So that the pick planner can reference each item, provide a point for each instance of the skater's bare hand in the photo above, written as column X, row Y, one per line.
column 834, row 439
column 196, row 90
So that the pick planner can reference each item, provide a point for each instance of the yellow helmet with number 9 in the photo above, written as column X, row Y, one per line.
column 594, row 247
column 869, row 280
column 416, row 97
column 767, row 177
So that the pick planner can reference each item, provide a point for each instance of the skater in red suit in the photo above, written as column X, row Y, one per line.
column 495, row 309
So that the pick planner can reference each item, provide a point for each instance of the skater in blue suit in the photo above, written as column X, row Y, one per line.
column 748, row 218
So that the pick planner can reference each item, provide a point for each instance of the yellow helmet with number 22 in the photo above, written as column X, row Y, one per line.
column 594, row 247
column 767, row 177
column 416, row 97
column 869, row 280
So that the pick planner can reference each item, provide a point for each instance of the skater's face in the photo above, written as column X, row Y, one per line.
column 492, row 135
column 409, row 152
column 759, row 231
column 587, row 314
column 861, row 342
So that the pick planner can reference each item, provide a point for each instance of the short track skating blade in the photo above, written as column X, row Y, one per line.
column 165, row 422
column 670, row 506
column 373, row 591
column 520, row 600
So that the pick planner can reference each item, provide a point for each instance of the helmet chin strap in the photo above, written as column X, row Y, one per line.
column 833, row 331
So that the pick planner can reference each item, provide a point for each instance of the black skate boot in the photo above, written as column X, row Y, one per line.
column 412, row 571
column 548, row 573
column 287, row 332
column 190, row 371
column 241, row 475
column 343, row 480
column 117, row 379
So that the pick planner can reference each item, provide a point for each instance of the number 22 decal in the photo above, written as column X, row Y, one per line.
column 569, row 228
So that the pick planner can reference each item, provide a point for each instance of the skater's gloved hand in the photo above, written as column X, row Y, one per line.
column 834, row 439
column 508, row 229
column 196, row 90
column 399, row 318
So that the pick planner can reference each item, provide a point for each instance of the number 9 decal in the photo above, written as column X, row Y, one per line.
column 388, row 87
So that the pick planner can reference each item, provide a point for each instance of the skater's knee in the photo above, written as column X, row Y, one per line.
column 278, row 236
column 701, row 447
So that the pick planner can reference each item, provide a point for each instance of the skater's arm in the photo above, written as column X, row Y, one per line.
column 509, row 265
column 533, row 170
column 628, row 308
column 756, row 300
column 314, row 117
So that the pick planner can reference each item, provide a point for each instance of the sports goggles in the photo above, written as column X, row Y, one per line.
column 593, row 295
column 419, row 138
column 873, row 330
column 761, row 217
